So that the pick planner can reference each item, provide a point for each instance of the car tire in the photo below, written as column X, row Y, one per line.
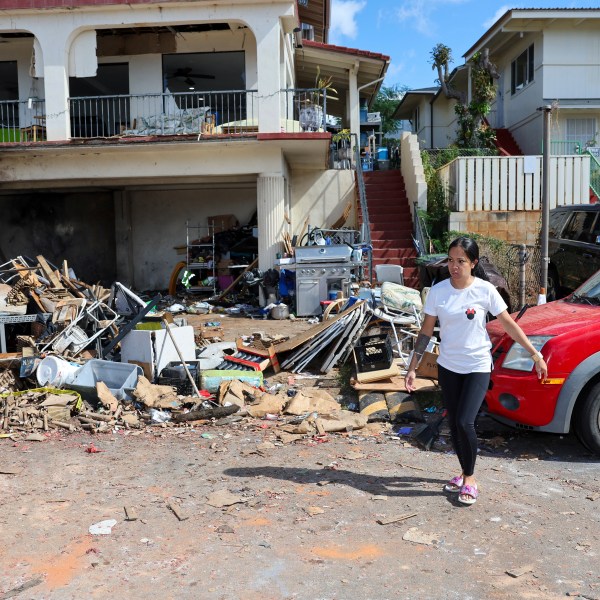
column 587, row 420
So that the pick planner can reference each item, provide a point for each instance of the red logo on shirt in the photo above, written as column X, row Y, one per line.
column 470, row 312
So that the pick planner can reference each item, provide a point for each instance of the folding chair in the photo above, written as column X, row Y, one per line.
column 401, row 307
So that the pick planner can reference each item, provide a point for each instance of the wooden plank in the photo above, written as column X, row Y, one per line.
column 487, row 183
column 504, row 162
column 512, row 181
column 394, row 384
column 537, row 186
column 470, row 188
column 383, row 374
column 520, row 192
column 315, row 330
column 479, row 183
column 495, row 184
column 25, row 273
column 461, row 204
column 48, row 272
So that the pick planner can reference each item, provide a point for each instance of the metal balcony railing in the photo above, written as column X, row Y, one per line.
column 22, row 120
column 228, row 112
column 212, row 114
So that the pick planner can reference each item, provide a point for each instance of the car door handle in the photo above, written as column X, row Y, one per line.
column 586, row 255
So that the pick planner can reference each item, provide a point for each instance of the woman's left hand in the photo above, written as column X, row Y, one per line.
column 541, row 368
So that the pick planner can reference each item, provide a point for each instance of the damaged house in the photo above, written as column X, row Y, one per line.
column 121, row 121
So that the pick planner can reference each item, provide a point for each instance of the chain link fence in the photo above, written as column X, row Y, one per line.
column 506, row 258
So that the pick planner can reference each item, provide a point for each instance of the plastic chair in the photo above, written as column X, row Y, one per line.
column 392, row 273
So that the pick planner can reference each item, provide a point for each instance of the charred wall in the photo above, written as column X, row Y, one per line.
column 78, row 227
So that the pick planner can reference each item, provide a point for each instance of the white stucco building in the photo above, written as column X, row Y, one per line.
column 544, row 57
column 120, row 121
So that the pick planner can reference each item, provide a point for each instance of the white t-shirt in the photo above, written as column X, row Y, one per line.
column 465, row 345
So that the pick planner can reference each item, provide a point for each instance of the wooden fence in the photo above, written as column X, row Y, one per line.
column 513, row 183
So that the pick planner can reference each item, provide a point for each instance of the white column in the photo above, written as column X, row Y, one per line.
column 353, row 102
column 270, row 208
column 268, row 51
column 56, row 83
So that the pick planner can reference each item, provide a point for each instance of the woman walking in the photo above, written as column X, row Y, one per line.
column 461, row 304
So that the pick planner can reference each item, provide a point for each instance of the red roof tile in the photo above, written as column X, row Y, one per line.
column 345, row 50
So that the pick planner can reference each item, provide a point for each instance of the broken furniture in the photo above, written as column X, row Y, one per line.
column 10, row 320
column 401, row 308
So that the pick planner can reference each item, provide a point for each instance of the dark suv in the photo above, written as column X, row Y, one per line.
column 573, row 247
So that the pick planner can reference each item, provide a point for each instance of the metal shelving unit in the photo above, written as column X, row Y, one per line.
column 200, row 258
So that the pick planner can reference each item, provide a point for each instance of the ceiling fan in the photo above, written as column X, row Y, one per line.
column 186, row 74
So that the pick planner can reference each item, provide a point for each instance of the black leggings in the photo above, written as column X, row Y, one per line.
column 463, row 395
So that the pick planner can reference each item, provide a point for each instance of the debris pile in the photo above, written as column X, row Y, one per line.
column 91, row 358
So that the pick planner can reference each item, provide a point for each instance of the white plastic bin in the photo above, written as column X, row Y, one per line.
column 120, row 378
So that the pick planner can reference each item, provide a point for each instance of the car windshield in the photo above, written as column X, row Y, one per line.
column 588, row 292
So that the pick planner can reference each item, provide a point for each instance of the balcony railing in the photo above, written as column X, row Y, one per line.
column 566, row 148
column 229, row 112
column 212, row 114
column 22, row 120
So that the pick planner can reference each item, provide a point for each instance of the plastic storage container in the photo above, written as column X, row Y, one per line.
column 174, row 374
column 120, row 378
column 382, row 154
column 55, row 371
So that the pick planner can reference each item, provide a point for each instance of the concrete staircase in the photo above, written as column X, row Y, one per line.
column 391, row 223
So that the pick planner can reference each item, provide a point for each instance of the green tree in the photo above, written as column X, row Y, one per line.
column 473, row 130
column 386, row 102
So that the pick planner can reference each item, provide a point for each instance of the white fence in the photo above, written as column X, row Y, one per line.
column 511, row 183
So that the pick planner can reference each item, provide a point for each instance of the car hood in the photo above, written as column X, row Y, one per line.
column 552, row 318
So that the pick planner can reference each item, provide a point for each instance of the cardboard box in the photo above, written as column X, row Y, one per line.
column 428, row 366
column 223, row 222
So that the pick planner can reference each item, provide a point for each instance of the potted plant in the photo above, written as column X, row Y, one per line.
column 312, row 113
column 341, row 139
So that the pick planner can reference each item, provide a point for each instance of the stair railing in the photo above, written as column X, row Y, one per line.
column 365, row 232
column 421, row 239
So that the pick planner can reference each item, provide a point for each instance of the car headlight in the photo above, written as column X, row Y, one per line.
column 518, row 358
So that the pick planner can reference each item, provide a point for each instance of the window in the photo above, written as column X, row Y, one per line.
column 579, row 228
column 416, row 121
column 521, row 70
column 582, row 132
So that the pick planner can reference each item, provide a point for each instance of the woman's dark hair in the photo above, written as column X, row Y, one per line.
column 471, row 249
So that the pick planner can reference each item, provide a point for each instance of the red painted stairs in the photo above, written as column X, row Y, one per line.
column 391, row 223
column 506, row 144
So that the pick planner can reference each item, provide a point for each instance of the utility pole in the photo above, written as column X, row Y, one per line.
column 546, row 110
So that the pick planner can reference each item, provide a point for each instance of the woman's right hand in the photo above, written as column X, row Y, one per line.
column 409, row 380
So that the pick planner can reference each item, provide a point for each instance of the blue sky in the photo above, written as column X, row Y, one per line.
column 407, row 30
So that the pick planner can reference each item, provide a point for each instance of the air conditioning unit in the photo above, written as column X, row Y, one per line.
column 308, row 32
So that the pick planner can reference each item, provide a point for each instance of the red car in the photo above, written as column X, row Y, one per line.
column 567, row 333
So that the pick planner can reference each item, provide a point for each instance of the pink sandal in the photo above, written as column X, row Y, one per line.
column 454, row 485
column 471, row 493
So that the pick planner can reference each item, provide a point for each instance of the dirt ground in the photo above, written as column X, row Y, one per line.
column 234, row 511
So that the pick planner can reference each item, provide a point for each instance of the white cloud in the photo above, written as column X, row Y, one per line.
column 487, row 24
column 343, row 19
column 417, row 13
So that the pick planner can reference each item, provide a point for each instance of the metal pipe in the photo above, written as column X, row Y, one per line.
column 547, row 110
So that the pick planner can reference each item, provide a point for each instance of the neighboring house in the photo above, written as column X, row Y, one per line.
column 121, row 120
column 545, row 57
